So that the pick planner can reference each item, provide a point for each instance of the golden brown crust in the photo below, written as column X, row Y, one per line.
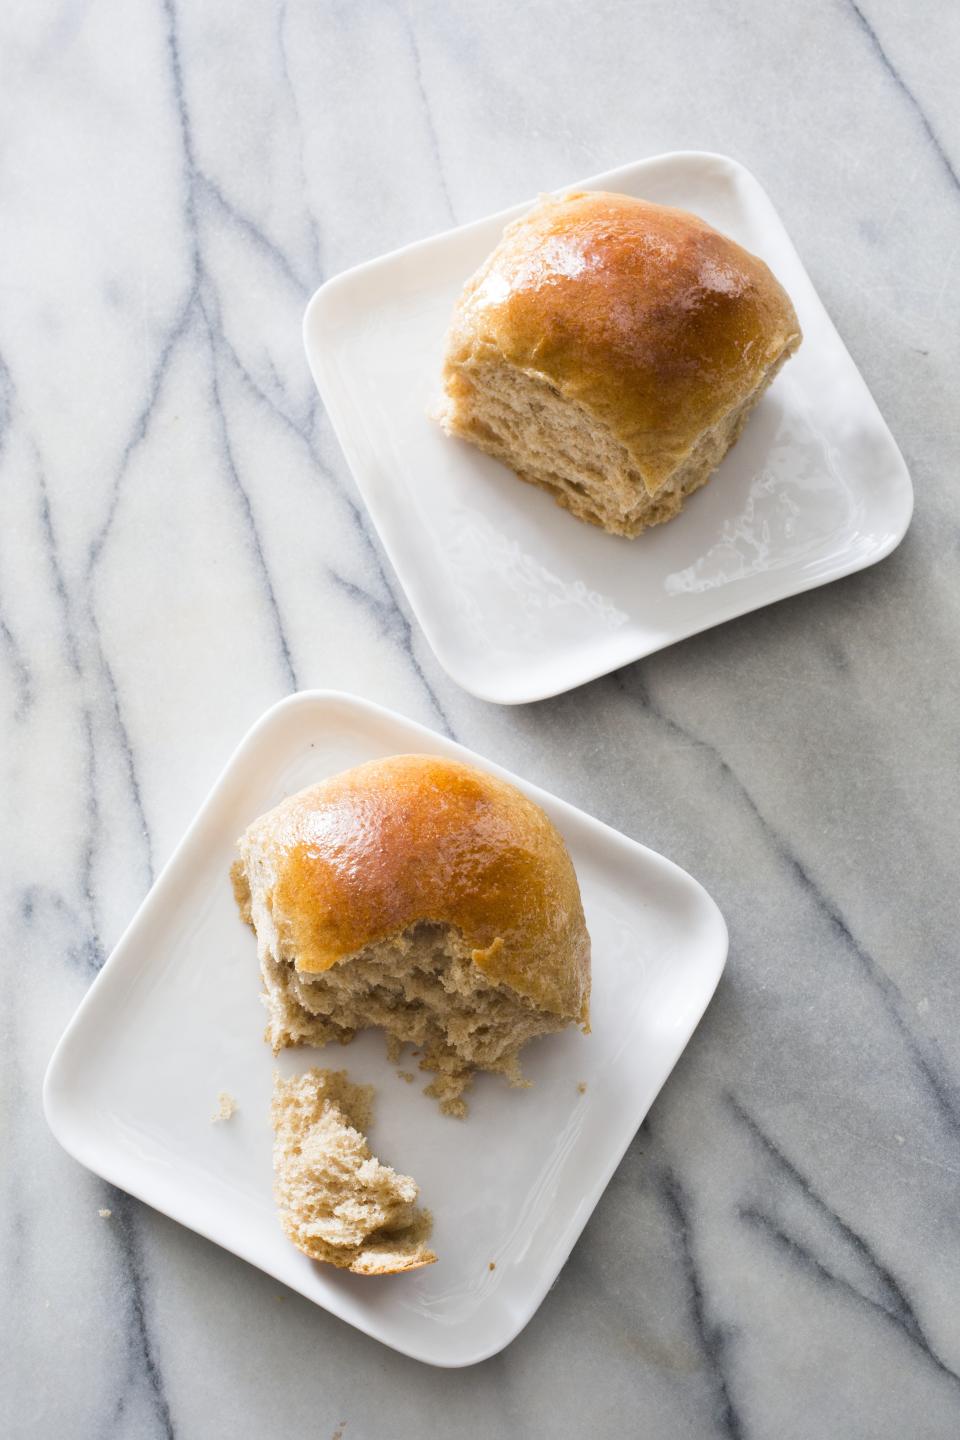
column 646, row 315
column 401, row 1266
column 374, row 1264
column 370, row 852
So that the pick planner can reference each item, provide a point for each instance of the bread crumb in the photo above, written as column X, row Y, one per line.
column 226, row 1107
column 582, row 1087
column 492, row 1265
column 104, row 1214
column 407, row 1075
column 338, row 1203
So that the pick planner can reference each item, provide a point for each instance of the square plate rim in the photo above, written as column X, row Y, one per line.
column 514, row 692
column 86, row 1152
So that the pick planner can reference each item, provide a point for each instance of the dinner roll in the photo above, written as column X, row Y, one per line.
column 423, row 897
column 336, row 1201
column 610, row 351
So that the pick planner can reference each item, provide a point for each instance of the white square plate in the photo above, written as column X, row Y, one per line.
column 175, row 1016
column 520, row 601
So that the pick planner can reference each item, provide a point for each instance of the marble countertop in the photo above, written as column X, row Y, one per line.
column 182, row 544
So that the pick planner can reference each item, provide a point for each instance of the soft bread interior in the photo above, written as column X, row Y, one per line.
column 336, row 1201
column 421, row 988
column 556, row 444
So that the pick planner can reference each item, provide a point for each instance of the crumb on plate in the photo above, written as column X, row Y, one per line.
column 226, row 1107
column 104, row 1214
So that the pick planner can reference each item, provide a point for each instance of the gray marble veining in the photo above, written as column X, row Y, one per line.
column 181, row 544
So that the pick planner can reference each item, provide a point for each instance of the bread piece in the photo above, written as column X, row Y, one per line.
column 422, row 897
column 610, row 351
column 337, row 1202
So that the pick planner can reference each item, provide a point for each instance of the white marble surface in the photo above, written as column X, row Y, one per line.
column 181, row 544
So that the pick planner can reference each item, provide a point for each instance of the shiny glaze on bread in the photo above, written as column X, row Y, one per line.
column 417, row 838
